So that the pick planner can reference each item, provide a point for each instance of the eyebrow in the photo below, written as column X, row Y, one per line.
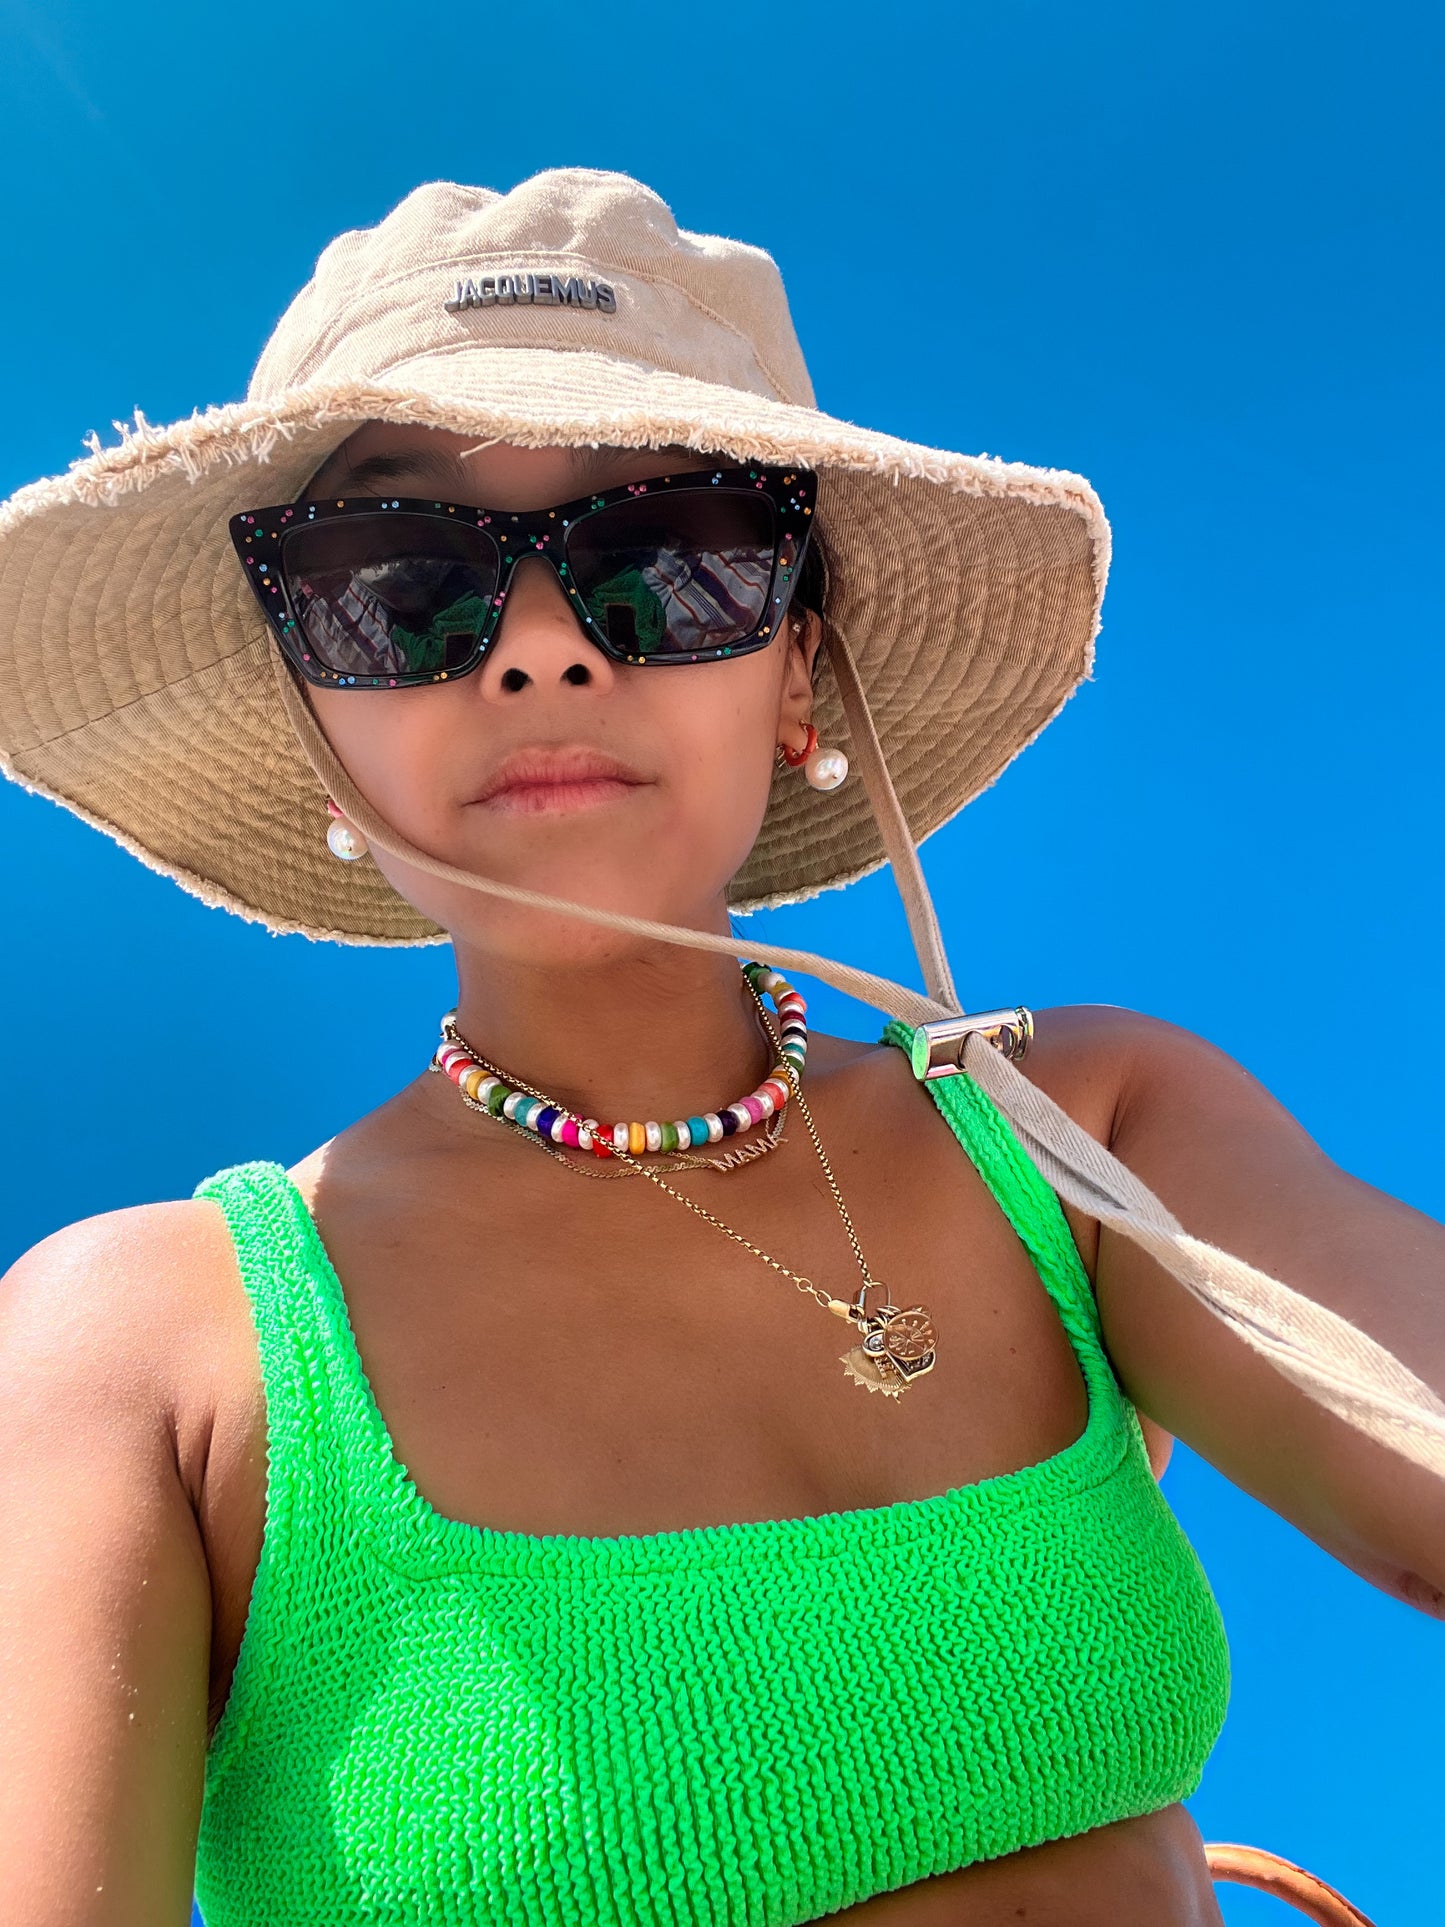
column 416, row 461
column 584, row 462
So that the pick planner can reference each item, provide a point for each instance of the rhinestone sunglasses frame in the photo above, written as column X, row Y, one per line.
column 258, row 537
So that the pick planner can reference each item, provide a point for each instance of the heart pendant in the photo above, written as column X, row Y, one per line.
column 904, row 1338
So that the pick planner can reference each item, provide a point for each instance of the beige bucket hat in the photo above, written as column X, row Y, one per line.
column 138, row 683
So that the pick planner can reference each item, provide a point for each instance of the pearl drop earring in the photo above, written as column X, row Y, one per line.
column 825, row 769
column 343, row 841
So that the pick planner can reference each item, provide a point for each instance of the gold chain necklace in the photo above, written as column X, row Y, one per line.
column 897, row 1344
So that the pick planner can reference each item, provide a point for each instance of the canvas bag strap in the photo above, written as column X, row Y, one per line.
column 1332, row 1361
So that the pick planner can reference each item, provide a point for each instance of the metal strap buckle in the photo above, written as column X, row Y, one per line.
column 938, row 1047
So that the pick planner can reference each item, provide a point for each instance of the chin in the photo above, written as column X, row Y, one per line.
column 547, row 940
column 672, row 877
column 537, row 940
column 551, row 944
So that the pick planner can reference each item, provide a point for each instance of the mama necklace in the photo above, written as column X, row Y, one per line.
column 461, row 1060
column 896, row 1343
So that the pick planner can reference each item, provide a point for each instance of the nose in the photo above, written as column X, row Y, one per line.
column 539, row 642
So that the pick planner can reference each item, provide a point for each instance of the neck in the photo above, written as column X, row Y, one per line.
column 667, row 1033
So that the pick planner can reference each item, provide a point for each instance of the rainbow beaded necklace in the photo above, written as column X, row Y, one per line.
column 477, row 1081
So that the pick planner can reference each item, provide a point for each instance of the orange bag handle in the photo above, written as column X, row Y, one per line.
column 1271, row 1873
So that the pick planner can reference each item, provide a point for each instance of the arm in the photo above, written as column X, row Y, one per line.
column 1236, row 1169
column 104, row 1595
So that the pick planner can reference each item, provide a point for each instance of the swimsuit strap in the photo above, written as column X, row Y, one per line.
column 1023, row 1195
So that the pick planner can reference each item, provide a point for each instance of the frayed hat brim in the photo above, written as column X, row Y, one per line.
column 135, row 686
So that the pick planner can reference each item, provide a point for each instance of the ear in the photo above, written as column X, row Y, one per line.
column 795, row 703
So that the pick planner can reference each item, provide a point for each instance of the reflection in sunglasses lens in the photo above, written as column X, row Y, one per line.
column 675, row 574
column 390, row 595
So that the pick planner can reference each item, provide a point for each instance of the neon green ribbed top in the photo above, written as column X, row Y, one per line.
column 753, row 1724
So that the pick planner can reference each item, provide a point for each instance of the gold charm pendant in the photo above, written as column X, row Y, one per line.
column 878, row 1377
column 898, row 1346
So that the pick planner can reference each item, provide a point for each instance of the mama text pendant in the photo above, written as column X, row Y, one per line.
column 898, row 1346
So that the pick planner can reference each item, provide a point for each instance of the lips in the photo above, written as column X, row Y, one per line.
column 539, row 781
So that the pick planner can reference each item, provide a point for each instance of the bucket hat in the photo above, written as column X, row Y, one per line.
column 139, row 686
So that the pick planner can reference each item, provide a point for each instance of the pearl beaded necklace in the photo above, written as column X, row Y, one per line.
column 485, row 1088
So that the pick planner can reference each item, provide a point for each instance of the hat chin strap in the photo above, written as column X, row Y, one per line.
column 1332, row 1361
column 898, row 844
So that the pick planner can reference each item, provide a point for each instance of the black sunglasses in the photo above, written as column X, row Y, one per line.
column 370, row 593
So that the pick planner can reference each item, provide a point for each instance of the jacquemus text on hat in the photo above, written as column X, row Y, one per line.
column 554, row 290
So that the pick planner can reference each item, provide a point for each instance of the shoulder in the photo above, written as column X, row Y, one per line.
column 1092, row 1059
column 127, row 1317
column 1096, row 1060
column 113, row 1274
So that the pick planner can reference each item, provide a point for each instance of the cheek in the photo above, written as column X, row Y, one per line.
column 395, row 746
column 721, row 750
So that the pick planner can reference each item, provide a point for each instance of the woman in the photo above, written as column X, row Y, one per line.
column 583, row 1583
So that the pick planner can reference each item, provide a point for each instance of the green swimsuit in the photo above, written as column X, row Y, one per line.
column 753, row 1724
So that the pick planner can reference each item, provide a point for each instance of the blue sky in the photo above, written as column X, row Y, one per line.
column 1193, row 254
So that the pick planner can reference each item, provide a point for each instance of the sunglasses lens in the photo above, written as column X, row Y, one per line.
column 389, row 595
column 681, row 572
